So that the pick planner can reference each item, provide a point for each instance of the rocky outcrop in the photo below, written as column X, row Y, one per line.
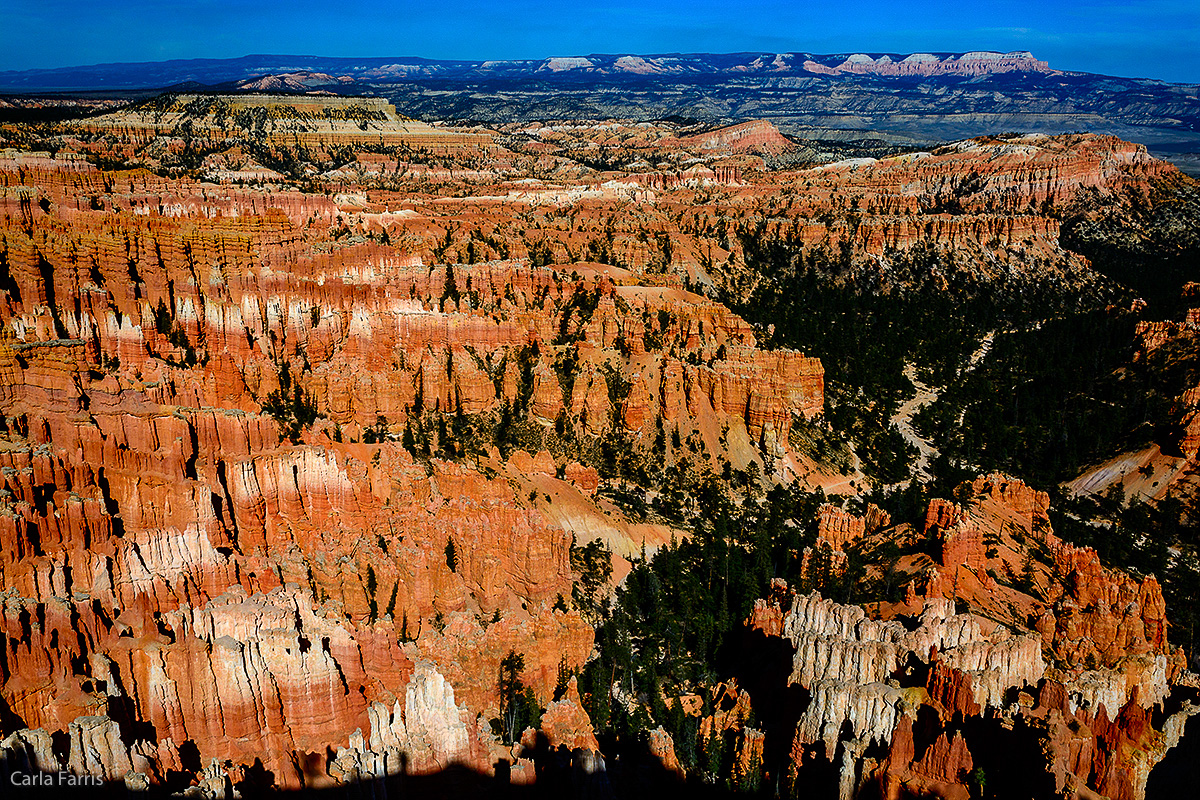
column 662, row 748
column 861, row 678
column 836, row 530
column 96, row 749
column 837, row 527
column 1100, row 616
column 942, row 771
column 27, row 752
column 427, row 734
column 930, row 688
column 1091, row 616
column 847, row 660
column 565, row 723
column 759, row 136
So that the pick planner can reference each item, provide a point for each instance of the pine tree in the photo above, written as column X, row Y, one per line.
column 564, row 677
column 450, row 288
column 511, row 690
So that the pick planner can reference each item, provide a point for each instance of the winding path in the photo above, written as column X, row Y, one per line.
column 925, row 395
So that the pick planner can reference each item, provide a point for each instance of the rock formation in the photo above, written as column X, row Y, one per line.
column 279, row 498
column 911, row 684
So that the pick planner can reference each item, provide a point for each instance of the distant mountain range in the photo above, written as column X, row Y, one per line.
column 390, row 70
column 893, row 96
column 385, row 70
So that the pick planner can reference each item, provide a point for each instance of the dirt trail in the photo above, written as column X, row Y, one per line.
column 925, row 395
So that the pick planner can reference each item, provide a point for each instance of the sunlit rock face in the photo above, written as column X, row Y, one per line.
column 260, row 512
column 1083, row 676
column 178, row 561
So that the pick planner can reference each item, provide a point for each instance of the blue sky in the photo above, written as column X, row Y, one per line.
column 1155, row 38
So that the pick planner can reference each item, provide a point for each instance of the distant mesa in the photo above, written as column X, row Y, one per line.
column 929, row 64
column 301, row 81
column 636, row 64
column 565, row 64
